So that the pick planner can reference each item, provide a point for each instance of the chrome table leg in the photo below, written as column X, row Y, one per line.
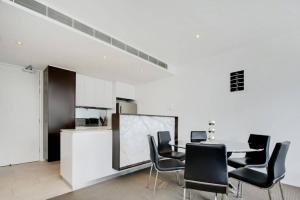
column 281, row 190
column 269, row 193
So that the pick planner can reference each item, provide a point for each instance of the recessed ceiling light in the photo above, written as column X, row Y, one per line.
column 197, row 36
column 104, row 57
column 19, row 43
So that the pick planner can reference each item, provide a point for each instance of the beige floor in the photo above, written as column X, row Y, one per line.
column 133, row 187
column 41, row 180
column 31, row 181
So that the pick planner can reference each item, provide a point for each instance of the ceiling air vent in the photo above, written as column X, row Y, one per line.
column 143, row 55
column 33, row 5
column 237, row 81
column 118, row 44
column 53, row 14
column 102, row 36
column 162, row 64
column 83, row 28
column 132, row 50
column 66, row 20
column 153, row 60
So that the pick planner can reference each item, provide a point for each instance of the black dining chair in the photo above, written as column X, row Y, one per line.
column 275, row 171
column 162, row 165
column 257, row 158
column 164, row 147
column 206, row 169
column 198, row 136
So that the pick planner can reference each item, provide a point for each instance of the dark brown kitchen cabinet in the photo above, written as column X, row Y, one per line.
column 59, row 108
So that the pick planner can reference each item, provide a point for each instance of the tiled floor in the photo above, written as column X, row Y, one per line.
column 31, row 181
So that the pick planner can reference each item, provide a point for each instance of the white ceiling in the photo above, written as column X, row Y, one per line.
column 45, row 42
column 166, row 29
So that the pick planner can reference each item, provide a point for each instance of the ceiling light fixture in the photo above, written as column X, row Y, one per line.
column 104, row 57
column 197, row 36
column 19, row 43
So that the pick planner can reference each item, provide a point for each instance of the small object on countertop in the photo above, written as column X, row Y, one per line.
column 211, row 130
column 211, row 122
column 103, row 121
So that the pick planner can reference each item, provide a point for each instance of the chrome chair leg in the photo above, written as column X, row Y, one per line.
column 269, row 193
column 149, row 178
column 216, row 196
column 224, row 196
column 190, row 195
column 238, row 190
column 241, row 190
column 155, row 181
column 177, row 178
column 184, row 193
column 281, row 190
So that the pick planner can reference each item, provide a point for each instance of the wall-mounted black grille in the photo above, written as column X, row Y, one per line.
column 237, row 81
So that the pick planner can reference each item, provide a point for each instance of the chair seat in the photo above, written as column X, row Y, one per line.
column 170, row 165
column 243, row 162
column 251, row 176
column 174, row 154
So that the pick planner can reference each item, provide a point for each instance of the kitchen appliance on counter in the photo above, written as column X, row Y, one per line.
column 89, row 122
column 126, row 108
column 90, row 117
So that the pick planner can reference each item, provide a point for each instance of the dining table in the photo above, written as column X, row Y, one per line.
column 231, row 146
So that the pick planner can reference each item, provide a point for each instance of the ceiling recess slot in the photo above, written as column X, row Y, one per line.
column 237, row 81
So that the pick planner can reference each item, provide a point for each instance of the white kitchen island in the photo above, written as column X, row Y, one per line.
column 86, row 157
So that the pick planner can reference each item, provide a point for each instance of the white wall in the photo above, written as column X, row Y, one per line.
column 19, row 115
column 270, row 103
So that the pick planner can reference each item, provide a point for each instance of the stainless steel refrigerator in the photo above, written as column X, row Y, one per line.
column 126, row 108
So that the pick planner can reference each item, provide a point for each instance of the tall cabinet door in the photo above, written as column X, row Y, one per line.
column 59, row 109
column 93, row 92
column 108, row 91
column 80, row 90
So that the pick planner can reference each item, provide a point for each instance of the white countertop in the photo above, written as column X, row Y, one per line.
column 85, row 129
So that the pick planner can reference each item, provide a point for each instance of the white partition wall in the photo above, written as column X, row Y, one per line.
column 19, row 115
column 131, row 137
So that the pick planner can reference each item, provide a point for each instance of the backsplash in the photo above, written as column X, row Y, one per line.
column 90, row 117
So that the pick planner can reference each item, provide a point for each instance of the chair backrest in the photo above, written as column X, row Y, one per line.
column 276, row 166
column 164, row 139
column 259, row 142
column 198, row 136
column 152, row 149
column 206, row 167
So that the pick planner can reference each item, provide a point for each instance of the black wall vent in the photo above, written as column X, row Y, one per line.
column 237, row 81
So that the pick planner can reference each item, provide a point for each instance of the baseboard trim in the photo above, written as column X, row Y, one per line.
column 99, row 180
